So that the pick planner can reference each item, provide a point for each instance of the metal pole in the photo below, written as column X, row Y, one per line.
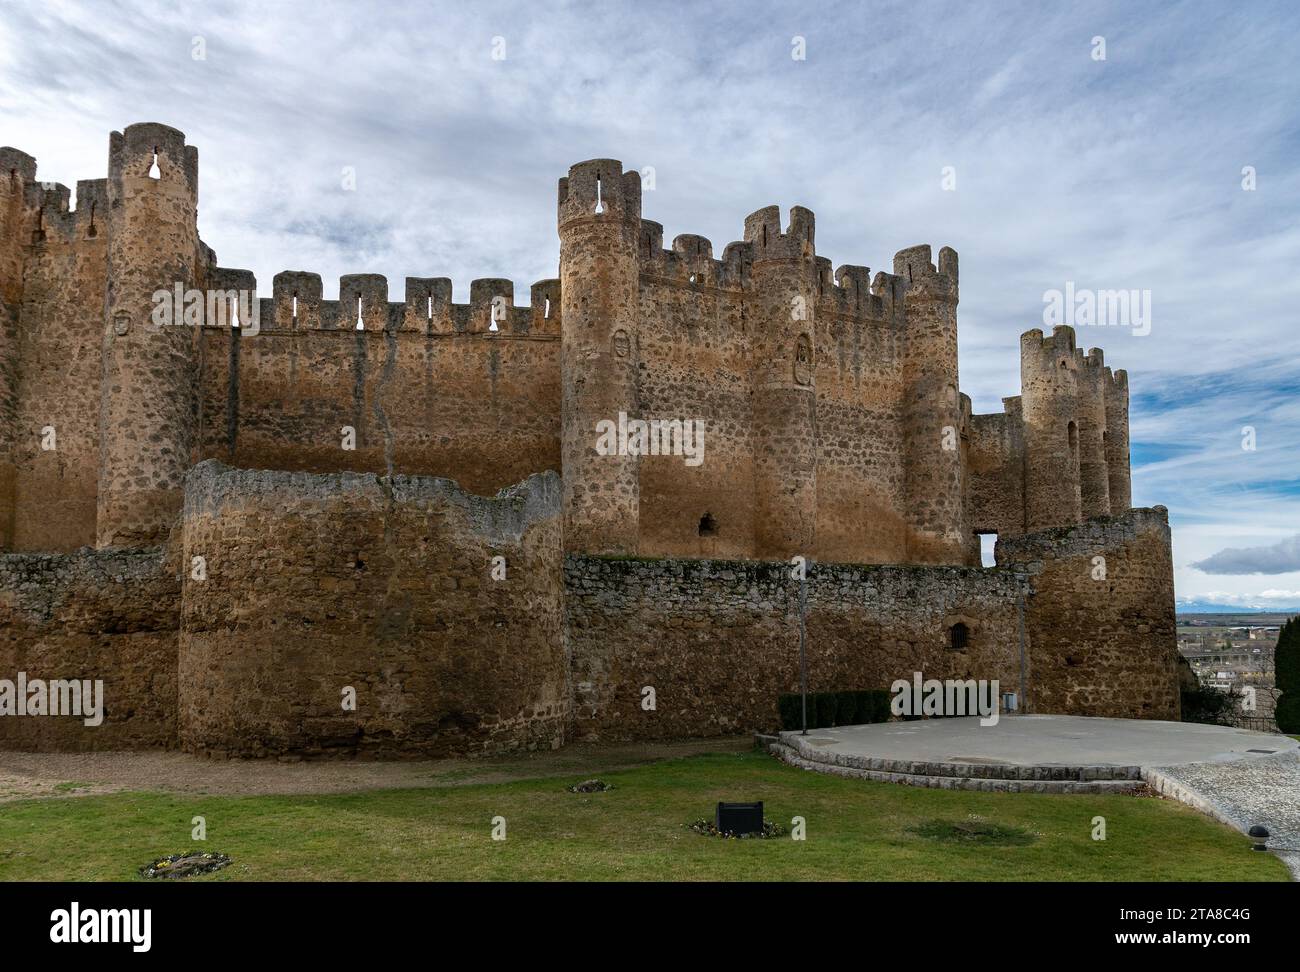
column 1020, row 624
column 803, row 644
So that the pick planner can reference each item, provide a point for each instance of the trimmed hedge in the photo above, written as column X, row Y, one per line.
column 827, row 709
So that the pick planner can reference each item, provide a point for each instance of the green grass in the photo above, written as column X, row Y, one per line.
column 638, row 831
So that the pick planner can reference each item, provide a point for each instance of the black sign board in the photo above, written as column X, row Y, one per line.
column 739, row 818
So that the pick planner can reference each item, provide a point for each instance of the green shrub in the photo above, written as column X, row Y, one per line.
column 1209, row 706
column 846, row 708
column 827, row 707
column 790, row 706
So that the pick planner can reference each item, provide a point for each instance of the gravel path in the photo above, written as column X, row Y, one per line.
column 24, row 776
column 1263, row 790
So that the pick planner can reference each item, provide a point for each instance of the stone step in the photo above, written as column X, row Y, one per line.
column 967, row 770
column 954, row 779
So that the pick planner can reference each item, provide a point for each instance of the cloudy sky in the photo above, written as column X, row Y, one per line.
column 1128, row 172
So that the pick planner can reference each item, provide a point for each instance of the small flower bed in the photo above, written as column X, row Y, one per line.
column 708, row 829
column 185, row 865
column 591, row 786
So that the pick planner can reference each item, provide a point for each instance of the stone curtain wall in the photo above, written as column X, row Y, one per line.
column 92, row 615
column 718, row 641
column 1101, row 646
column 440, row 395
column 318, row 582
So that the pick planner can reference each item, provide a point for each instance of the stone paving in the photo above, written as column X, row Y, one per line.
column 1242, row 793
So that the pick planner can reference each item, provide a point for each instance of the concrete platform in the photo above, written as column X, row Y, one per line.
column 1043, row 740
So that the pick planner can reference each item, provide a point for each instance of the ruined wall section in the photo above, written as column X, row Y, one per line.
column 428, row 387
column 718, row 641
column 314, row 583
column 1100, row 627
column 108, row 615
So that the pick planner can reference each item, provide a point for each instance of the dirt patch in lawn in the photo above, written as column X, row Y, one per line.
column 24, row 776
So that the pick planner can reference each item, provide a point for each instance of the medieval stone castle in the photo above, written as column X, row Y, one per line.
column 368, row 525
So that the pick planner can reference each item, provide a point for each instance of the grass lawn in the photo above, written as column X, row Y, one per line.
column 637, row 831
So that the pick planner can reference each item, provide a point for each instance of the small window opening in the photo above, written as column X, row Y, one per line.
column 294, row 308
column 708, row 526
column 1072, row 431
column 92, row 231
column 692, row 278
column 429, row 309
column 958, row 637
column 154, row 171
column 546, row 309
column 361, row 324
column 234, row 313
column 600, row 204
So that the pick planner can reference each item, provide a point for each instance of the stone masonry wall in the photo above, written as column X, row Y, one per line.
column 319, row 582
column 92, row 615
column 719, row 640
column 1100, row 626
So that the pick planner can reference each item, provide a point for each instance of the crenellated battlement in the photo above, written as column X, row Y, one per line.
column 797, row 242
column 599, row 190
column 363, row 306
column 923, row 277
column 830, row 390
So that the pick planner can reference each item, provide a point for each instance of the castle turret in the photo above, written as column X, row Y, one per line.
column 1094, row 483
column 599, row 224
column 17, row 171
column 932, row 410
column 147, row 408
column 1049, row 399
column 783, row 285
column 1116, row 440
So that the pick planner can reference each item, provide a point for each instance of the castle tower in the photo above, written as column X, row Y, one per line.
column 1094, row 482
column 1116, row 440
column 147, row 408
column 1049, row 399
column 599, row 225
column 783, row 285
column 932, row 409
column 17, row 171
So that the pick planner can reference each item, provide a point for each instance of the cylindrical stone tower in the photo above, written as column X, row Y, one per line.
column 1094, row 484
column 781, row 305
column 599, row 224
column 147, row 406
column 932, row 413
column 17, row 171
column 1049, row 398
column 1117, row 456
